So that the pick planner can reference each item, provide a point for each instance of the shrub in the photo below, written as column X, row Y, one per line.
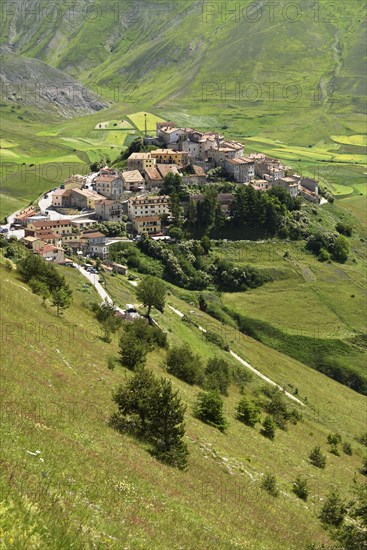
column 209, row 409
column 300, row 487
column 362, row 439
column 333, row 440
column 317, row 458
column 324, row 255
column 216, row 339
column 278, row 409
column 344, row 228
column 217, row 375
column 183, row 363
column 133, row 353
column 333, row 509
column 347, row 448
column 111, row 362
column 269, row 483
column 351, row 533
column 268, row 429
column 341, row 249
column 248, row 412
column 149, row 335
column 363, row 469
column 105, row 315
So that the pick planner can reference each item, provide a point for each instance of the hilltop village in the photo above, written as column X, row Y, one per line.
column 137, row 195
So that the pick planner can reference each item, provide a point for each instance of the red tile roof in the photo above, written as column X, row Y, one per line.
column 47, row 248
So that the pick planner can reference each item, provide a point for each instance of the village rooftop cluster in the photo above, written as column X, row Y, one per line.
column 134, row 193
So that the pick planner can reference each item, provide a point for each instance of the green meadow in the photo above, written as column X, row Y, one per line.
column 85, row 473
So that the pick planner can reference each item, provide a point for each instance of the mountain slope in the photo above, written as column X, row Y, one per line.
column 33, row 83
column 56, row 402
column 170, row 50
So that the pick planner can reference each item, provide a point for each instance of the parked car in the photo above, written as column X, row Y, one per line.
column 4, row 230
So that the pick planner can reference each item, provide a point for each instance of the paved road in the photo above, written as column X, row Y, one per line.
column 247, row 365
column 93, row 278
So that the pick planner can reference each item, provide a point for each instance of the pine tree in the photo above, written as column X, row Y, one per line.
column 333, row 510
column 269, row 483
column 135, row 401
column 248, row 412
column 150, row 408
column 317, row 458
column 218, row 375
column 300, row 487
column 133, row 352
column 61, row 298
column 167, row 427
column 352, row 532
column 268, row 428
column 209, row 409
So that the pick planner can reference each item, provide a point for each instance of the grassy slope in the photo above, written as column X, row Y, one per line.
column 93, row 476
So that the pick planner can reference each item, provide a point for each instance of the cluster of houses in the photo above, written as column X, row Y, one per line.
column 50, row 237
column 133, row 193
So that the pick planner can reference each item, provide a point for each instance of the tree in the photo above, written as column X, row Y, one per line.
column 133, row 352
column 269, row 483
column 167, row 428
column 176, row 233
column 352, row 532
column 334, row 440
column 135, row 402
column 106, row 317
column 185, row 364
column 317, row 458
column 248, row 412
column 61, row 298
column 206, row 244
column 333, row 509
column 176, row 210
column 341, row 249
column 206, row 209
column 300, row 487
column 277, row 407
column 209, row 409
column 150, row 408
column 150, row 336
column 40, row 288
column 347, row 448
column 152, row 291
column 172, row 185
column 218, row 375
column 268, row 429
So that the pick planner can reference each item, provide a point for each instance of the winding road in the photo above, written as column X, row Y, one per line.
column 248, row 366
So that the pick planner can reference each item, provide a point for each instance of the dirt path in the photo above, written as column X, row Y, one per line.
column 248, row 366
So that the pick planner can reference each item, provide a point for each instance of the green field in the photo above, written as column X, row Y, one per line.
column 138, row 119
column 233, row 76
column 91, row 475
column 351, row 140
